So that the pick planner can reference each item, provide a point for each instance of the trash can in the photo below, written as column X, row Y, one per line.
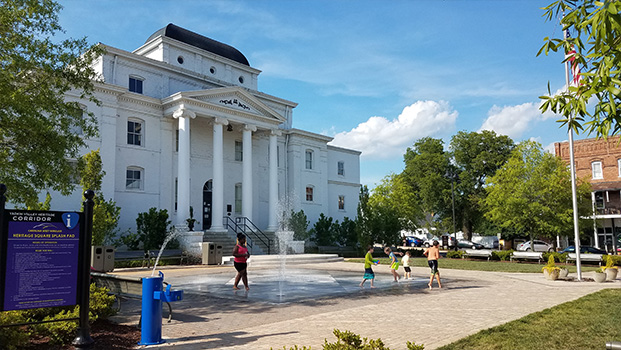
column 218, row 258
column 97, row 257
column 209, row 253
column 108, row 265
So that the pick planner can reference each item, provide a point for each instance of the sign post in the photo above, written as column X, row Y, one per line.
column 83, row 338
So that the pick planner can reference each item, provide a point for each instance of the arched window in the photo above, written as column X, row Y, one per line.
column 134, row 179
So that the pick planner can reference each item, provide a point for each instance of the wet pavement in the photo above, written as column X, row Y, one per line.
column 318, row 298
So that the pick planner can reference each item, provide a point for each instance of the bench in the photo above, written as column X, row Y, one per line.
column 527, row 256
column 595, row 258
column 345, row 252
column 123, row 287
column 133, row 255
column 477, row 253
column 168, row 254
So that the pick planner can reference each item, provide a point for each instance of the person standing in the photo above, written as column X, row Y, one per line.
column 406, row 266
column 433, row 254
column 394, row 263
column 368, row 271
column 241, row 255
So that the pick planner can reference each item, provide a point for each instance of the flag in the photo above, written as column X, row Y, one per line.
column 574, row 67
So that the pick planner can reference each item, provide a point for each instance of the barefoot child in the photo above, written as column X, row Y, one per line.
column 433, row 254
column 406, row 266
column 394, row 263
column 368, row 271
column 241, row 254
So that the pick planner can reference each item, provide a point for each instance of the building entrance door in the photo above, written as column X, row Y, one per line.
column 207, row 205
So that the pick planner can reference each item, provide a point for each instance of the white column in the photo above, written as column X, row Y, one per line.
column 183, row 166
column 247, row 171
column 273, row 181
column 217, row 206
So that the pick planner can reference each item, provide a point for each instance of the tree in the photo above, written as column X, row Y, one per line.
column 477, row 156
column 346, row 233
column 595, row 47
column 153, row 228
column 426, row 164
column 363, row 218
column 298, row 223
column 529, row 194
column 37, row 138
column 322, row 231
column 106, row 214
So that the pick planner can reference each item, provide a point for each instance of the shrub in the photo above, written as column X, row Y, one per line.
column 615, row 260
column 550, row 266
column 13, row 337
column 455, row 254
column 502, row 255
column 153, row 228
column 558, row 257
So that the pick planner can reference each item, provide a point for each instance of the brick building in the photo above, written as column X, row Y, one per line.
column 599, row 161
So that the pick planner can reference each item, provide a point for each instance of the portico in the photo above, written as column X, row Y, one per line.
column 234, row 110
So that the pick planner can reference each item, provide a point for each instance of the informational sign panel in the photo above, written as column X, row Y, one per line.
column 42, row 263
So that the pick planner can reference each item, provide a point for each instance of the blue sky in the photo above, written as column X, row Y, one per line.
column 375, row 75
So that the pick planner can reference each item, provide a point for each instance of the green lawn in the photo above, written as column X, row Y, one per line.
column 586, row 323
column 483, row 265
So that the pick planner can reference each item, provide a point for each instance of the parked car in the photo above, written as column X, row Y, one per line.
column 412, row 241
column 464, row 243
column 540, row 246
column 584, row 250
column 428, row 242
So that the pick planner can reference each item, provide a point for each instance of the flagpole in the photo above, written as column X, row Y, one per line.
column 572, row 165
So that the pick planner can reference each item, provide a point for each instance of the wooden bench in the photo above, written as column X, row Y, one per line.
column 477, row 253
column 168, row 254
column 586, row 257
column 527, row 256
column 123, row 287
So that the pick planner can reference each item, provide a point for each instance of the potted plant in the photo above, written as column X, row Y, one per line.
column 551, row 271
column 600, row 275
column 610, row 269
column 191, row 221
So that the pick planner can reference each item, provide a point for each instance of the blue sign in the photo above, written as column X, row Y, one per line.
column 42, row 263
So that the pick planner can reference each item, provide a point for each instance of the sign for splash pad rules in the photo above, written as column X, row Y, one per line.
column 41, row 251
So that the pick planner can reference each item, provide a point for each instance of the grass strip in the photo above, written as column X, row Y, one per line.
column 585, row 323
column 483, row 265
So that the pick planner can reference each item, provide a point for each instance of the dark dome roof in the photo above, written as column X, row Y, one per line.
column 202, row 42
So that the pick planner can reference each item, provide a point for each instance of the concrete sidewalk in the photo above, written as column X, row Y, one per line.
column 470, row 301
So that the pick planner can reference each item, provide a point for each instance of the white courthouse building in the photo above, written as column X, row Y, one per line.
column 182, row 123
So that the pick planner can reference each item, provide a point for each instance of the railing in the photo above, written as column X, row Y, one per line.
column 242, row 224
column 230, row 224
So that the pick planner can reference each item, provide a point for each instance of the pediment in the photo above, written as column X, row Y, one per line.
column 236, row 99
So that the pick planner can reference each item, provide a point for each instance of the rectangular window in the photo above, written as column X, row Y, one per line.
column 340, row 168
column 177, row 140
column 238, row 198
column 619, row 166
column 596, row 167
column 134, row 179
column 278, row 156
column 239, row 151
column 134, row 133
column 341, row 202
column 309, row 159
column 309, row 194
column 135, row 85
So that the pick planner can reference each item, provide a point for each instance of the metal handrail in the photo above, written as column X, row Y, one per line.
column 232, row 225
column 246, row 226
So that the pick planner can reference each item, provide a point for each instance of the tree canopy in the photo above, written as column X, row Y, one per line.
column 595, row 46
column 37, row 126
column 529, row 194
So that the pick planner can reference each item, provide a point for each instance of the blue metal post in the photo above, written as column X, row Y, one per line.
column 151, row 331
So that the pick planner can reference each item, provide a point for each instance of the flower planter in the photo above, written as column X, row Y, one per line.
column 563, row 273
column 600, row 277
column 551, row 275
column 611, row 274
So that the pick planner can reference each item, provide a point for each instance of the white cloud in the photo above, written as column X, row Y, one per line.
column 380, row 138
column 513, row 121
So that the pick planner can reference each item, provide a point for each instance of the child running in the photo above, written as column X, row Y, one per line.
column 433, row 254
column 406, row 266
column 394, row 263
column 368, row 271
